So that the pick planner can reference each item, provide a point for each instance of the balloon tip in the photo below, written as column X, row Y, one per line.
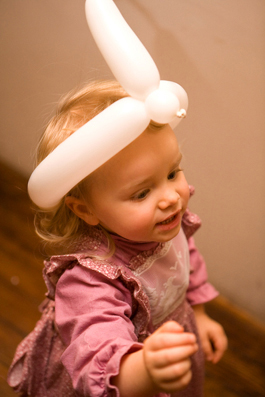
column 181, row 113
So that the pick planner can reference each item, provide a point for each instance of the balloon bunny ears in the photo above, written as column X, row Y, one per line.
column 119, row 124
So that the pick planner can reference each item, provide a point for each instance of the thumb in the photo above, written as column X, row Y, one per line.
column 207, row 348
column 170, row 326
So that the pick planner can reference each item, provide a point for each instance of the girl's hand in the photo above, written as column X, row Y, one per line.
column 212, row 335
column 167, row 357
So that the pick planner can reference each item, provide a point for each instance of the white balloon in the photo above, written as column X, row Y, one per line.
column 122, row 122
column 177, row 90
column 162, row 106
column 126, row 56
column 86, row 150
column 180, row 93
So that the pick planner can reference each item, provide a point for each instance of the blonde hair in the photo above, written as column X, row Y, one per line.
column 59, row 226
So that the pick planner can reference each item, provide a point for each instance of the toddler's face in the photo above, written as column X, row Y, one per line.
column 141, row 193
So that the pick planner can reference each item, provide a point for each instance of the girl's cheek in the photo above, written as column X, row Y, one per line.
column 141, row 218
column 186, row 195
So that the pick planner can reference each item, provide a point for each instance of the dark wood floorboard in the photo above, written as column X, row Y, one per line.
column 240, row 373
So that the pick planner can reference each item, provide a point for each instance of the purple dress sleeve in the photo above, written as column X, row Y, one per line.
column 93, row 315
column 199, row 290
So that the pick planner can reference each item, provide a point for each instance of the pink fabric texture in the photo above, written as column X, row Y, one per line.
column 97, row 311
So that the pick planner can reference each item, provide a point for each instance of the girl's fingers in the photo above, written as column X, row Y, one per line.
column 219, row 347
column 172, row 373
column 166, row 340
column 179, row 383
column 208, row 350
column 218, row 343
column 167, row 357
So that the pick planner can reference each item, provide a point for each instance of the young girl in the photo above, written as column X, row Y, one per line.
column 124, row 311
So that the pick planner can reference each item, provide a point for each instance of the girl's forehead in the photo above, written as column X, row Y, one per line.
column 150, row 141
column 141, row 156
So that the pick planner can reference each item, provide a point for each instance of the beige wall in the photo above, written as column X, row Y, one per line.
column 216, row 51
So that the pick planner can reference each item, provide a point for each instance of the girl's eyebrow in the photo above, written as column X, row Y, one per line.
column 134, row 185
column 138, row 184
column 179, row 158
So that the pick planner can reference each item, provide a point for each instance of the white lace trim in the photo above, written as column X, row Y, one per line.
column 151, row 259
column 165, row 277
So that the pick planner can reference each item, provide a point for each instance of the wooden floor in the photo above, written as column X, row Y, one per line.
column 240, row 373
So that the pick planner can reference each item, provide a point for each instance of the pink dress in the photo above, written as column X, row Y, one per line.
column 99, row 310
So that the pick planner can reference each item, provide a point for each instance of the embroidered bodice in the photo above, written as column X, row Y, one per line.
column 165, row 277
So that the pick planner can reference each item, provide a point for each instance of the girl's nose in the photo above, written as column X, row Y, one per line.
column 169, row 198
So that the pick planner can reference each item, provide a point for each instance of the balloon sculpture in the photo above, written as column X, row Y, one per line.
column 119, row 124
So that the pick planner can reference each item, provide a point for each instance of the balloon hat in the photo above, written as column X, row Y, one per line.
column 119, row 124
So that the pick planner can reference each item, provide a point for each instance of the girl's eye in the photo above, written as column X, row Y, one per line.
column 173, row 174
column 140, row 196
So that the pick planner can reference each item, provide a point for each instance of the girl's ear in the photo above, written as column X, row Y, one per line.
column 81, row 209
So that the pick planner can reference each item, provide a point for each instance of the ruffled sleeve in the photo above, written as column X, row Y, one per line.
column 199, row 290
column 190, row 222
column 93, row 315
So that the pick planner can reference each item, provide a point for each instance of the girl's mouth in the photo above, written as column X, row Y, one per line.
column 170, row 223
column 167, row 220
